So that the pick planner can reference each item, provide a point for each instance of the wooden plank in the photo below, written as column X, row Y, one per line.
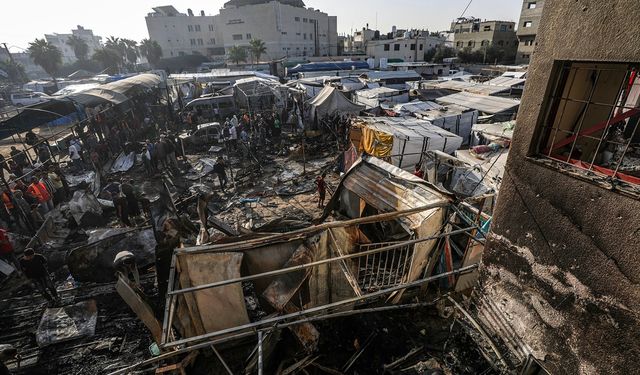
column 142, row 310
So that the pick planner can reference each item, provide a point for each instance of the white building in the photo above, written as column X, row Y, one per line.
column 409, row 48
column 286, row 27
column 94, row 43
column 180, row 34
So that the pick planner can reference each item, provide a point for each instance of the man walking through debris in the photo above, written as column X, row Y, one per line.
column 133, row 205
column 122, row 208
column 35, row 269
column 322, row 189
column 219, row 169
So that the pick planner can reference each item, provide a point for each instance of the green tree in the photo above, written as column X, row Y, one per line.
column 130, row 48
column 14, row 72
column 443, row 52
column 116, row 45
column 47, row 56
column 152, row 51
column 108, row 58
column 237, row 54
column 80, row 47
column 257, row 48
column 468, row 56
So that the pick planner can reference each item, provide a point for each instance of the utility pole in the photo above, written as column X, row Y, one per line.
column 8, row 53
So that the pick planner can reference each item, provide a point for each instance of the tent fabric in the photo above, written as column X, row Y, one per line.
column 486, row 104
column 330, row 100
column 98, row 95
column 376, row 143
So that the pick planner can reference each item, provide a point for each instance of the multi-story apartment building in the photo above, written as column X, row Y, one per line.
column 286, row 27
column 528, row 29
column 478, row 34
column 559, row 288
column 410, row 47
column 94, row 43
column 181, row 34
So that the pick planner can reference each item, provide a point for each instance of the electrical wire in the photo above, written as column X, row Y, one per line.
column 465, row 9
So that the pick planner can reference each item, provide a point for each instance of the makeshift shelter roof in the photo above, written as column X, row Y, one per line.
column 115, row 92
column 495, row 130
column 330, row 100
column 416, row 107
column 412, row 129
column 476, row 88
column 506, row 81
column 389, row 188
column 378, row 92
column 72, row 89
column 376, row 75
column 483, row 103
column 81, row 74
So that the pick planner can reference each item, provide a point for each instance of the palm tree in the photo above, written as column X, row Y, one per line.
column 130, row 50
column 257, row 48
column 108, row 58
column 117, row 45
column 80, row 47
column 237, row 54
column 47, row 56
column 152, row 51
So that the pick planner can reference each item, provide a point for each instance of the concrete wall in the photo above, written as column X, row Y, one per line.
column 561, row 268
column 489, row 31
column 527, row 35
column 376, row 48
column 175, row 37
column 285, row 29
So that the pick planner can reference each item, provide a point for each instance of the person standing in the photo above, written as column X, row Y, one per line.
column 76, row 157
column 322, row 189
column 133, row 206
column 219, row 168
column 35, row 269
column 58, row 185
column 7, row 252
column 18, row 156
column 39, row 191
column 122, row 208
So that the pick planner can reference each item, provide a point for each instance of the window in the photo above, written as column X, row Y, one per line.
column 297, row 19
column 531, row 6
column 197, row 27
column 298, row 34
column 459, row 44
column 387, row 47
column 396, row 47
column 311, row 36
column 305, row 36
column 484, row 43
column 591, row 122
column 284, row 33
column 471, row 43
column 413, row 47
column 193, row 42
column 212, row 41
column 237, row 36
column 234, row 22
column 305, row 20
column 528, row 42
column 249, row 37
column 503, row 27
column 487, row 28
column 200, row 41
column 501, row 43
column 421, row 47
column 190, row 28
column 210, row 27
column 526, row 56
column 527, row 24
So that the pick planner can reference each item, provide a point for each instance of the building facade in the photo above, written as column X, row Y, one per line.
column 477, row 34
column 94, row 43
column 528, row 29
column 559, row 287
column 409, row 48
column 180, row 34
column 287, row 28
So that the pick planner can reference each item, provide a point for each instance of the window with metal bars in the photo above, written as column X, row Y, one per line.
column 592, row 119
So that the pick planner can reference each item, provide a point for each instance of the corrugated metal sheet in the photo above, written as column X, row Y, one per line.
column 486, row 104
column 476, row 88
column 506, row 81
column 389, row 188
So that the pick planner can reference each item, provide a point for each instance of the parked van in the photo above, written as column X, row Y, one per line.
column 207, row 108
column 22, row 99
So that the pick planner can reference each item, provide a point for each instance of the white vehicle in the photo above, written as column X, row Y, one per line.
column 21, row 99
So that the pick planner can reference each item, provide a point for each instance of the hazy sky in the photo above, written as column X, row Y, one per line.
column 21, row 21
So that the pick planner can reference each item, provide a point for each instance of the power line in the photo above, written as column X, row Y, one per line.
column 465, row 9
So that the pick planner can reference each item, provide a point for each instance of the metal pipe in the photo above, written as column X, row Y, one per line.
column 313, row 264
column 260, row 359
column 283, row 325
column 277, row 319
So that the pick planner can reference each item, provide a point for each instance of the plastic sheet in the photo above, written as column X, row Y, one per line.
column 67, row 323
column 124, row 162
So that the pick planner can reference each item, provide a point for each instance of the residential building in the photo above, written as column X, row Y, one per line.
column 286, row 27
column 559, row 284
column 356, row 43
column 94, row 43
column 528, row 29
column 32, row 70
column 410, row 47
column 478, row 34
column 180, row 34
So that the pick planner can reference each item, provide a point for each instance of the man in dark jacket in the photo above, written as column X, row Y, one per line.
column 35, row 269
column 219, row 169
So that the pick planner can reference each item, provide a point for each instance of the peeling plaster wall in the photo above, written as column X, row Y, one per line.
column 562, row 265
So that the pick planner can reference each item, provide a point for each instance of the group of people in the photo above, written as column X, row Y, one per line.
column 253, row 132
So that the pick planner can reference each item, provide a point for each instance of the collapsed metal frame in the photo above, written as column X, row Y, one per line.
column 284, row 320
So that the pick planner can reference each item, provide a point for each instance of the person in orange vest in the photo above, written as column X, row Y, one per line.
column 39, row 190
column 9, row 214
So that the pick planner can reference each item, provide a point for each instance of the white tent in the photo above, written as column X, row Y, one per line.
column 331, row 101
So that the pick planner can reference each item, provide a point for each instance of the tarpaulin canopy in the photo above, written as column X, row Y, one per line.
column 330, row 100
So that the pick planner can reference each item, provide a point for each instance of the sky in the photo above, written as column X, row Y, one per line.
column 22, row 21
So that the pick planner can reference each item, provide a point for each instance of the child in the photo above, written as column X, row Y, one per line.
column 322, row 189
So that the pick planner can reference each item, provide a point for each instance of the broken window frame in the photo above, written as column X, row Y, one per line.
column 622, row 115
